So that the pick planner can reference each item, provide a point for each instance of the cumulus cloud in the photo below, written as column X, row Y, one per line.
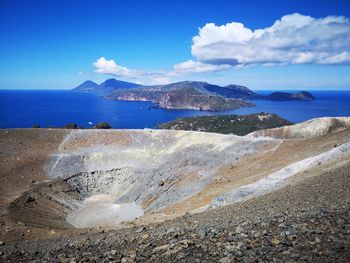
column 294, row 39
column 191, row 66
column 110, row 67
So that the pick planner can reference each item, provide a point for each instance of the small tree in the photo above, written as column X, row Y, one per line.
column 103, row 125
column 71, row 126
column 35, row 126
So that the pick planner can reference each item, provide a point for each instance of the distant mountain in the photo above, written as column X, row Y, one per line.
column 282, row 96
column 184, row 95
column 233, row 91
column 200, row 95
column 105, row 87
column 87, row 86
column 112, row 84
column 187, row 94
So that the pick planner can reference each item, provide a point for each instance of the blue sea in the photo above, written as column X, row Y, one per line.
column 23, row 108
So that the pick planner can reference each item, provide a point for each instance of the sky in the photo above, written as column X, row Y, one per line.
column 267, row 44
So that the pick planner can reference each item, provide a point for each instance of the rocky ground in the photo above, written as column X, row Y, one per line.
column 306, row 220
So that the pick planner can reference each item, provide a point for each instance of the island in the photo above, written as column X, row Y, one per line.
column 227, row 124
column 194, row 95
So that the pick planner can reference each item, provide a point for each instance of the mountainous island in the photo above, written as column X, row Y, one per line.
column 187, row 94
column 227, row 124
column 105, row 87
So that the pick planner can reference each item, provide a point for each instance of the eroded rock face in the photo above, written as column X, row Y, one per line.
column 145, row 169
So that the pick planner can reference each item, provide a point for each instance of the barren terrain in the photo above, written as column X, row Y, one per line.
column 160, row 195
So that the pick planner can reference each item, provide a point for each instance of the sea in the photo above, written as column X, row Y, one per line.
column 56, row 108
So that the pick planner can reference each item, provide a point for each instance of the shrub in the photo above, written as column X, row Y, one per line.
column 71, row 126
column 103, row 125
column 35, row 126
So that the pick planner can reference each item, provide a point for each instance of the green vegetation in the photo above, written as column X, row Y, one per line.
column 226, row 124
column 103, row 125
column 71, row 126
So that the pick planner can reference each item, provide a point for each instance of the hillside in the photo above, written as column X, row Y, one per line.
column 170, row 196
column 226, row 124
column 183, row 95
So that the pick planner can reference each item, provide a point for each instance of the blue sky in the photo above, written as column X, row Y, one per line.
column 59, row 44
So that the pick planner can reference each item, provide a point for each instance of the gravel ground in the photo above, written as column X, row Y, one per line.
column 308, row 221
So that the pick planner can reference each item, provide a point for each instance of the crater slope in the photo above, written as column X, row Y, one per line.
column 172, row 195
column 105, row 178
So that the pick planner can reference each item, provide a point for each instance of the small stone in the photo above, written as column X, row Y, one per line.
column 113, row 252
column 340, row 221
column 159, row 248
column 225, row 260
column 239, row 230
column 202, row 232
column 287, row 242
column 141, row 229
column 230, row 239
column 339, row 246
column 275, row 242
column 317, row 240
column 145, row 236
column 2, row 243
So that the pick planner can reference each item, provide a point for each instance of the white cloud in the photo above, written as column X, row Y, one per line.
column 109, row 67
column 294, row 39
column 191, row 66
